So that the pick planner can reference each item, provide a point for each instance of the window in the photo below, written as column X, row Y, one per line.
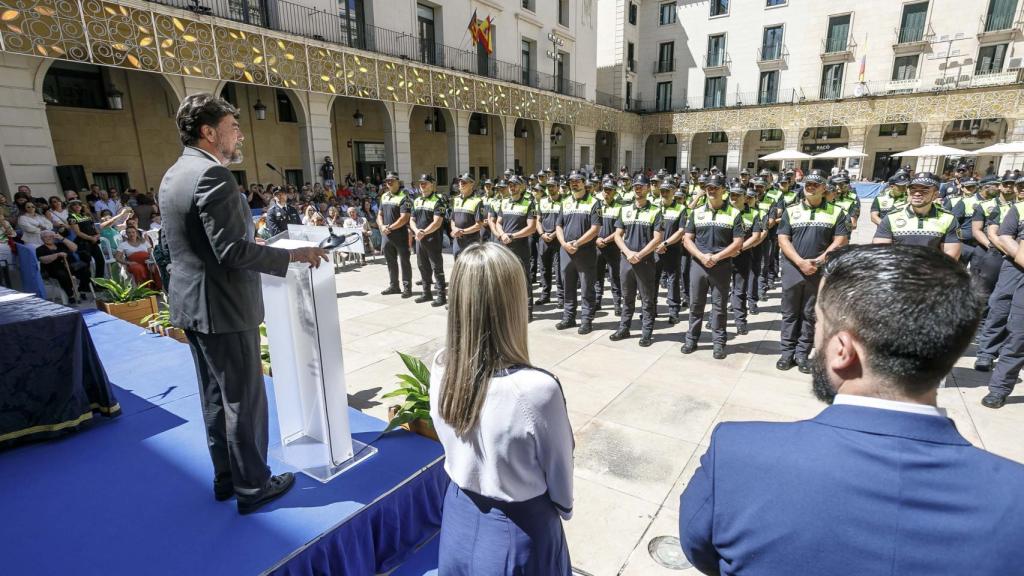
column 629, row 95
column 990, row 59
column 773, row 135
column 353, row 23
column 240, row 178
column 666, row 57
column 526, row 56
column 716, row 161
column 108, row 180
column 293, row 177
column 251, row 12
column 719, row 8
column 714, row 92
column 529, row 5
column 1000, row 15
column 427, row 33
column 667, row 13
column 477, row 124
column 441, row 175
column 771, row 43
column 965, row 125
column 486, row 64
column 912, row 22
column 716, row 50
column 827, row 132
column 892, row 129
column 670, row 164
column 768, row 88
column 632, row 13
column 770, row 3
column 838, row 34
column 439, row 125
column 905, row 67
column 671, row 139
column 631, row 57
column 285, row 110
column 664, row 96
column 832, row 81
column 563, row 12
column 75, row 85
column 562, row 73
column 717, row 138
column 229, row 93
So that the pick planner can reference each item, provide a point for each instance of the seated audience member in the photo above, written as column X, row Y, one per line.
column 154, row 221
column 354, row 220
column 307, row 216
column 57, row 225
column 7, row 235
column 133, row 253
column 504, row 427
column 55, row 260
column 880, row 482
column 32, row 223
column 334, row 218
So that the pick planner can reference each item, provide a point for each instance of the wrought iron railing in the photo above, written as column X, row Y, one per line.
column 664, row 66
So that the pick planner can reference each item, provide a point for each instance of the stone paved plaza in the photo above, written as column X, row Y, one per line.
column 642, row 417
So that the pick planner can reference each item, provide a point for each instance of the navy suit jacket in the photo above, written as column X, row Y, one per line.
column 856, row 490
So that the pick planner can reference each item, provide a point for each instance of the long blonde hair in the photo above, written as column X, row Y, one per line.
column 487, row 320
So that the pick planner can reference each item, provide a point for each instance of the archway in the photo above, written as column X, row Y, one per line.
column 709, row 149
column 528, row 150
column 758, row 143
column 661, row 151
column 432, row 142
column 974, row 134
column 881, row 141
column 606, row 152
column 486, row 146
column 360, row 130
column 562, row 160
column 821, row 139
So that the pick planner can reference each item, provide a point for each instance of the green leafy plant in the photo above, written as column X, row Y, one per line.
column 162, row 317
column 264, row 349
column 121, row 290
column 415, row 387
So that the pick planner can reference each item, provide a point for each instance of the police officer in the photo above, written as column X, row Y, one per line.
column 638, row 233
column 1011, row 357
column 493, row 205
column 892, row 198
column 962, row 208
column 514, row 223
column 921, row 223
column 809, row 230
column 742, row 262
column 608, row 250
column 669, row 253
column 393, row 222
column 469, row 216
column 277, row 214
column 578, row 225
column 538, row 193
column 756, row 251
column 714, row 234
column 548, row 210
column 846, row 198
column 427, row 225
column 986, row 260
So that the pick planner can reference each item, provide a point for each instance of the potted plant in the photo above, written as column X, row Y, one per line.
column 414, row 413
column 160, row 322
column 125, row 300
column 265, row 351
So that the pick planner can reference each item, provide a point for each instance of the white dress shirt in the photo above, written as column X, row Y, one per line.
column 521, row 446
column 32, row 228
column 113, row 205
column 872, row 402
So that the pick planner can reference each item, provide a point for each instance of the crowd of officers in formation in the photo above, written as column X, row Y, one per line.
column 732, row 239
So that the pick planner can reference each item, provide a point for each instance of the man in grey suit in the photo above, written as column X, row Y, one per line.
column 216, row 297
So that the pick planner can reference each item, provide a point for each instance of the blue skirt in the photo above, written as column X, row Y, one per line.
column 481, row 536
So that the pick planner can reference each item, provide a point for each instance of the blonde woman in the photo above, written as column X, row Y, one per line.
column 504, row 428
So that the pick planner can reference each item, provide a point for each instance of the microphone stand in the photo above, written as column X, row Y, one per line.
column 284, row 181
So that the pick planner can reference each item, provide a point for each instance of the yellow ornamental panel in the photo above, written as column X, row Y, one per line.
column 391, row 77
column 418, row 87
column 361, row 76
column 286, row 62
column 50, row 28
column 326, row 70
column 236, row 52
column 186, row 46
column 116, row 35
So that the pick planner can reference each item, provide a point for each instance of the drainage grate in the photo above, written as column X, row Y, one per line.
column 666, row 551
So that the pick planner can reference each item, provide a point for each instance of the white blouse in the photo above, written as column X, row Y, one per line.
column 522, row 444
column 32, row 228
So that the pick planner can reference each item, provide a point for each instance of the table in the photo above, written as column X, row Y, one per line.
column 51, row 378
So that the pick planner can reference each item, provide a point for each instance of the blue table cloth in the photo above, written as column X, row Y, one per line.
column 51, row 378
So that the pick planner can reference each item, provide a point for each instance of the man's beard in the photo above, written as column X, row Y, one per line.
column 820, row 384
column 235, row 156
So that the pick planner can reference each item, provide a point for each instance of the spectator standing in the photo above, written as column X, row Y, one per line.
column 106, row 202
column 32, row 223
column 144, row 210
column 87, row 237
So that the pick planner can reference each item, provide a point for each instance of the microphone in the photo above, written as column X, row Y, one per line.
column 338, row 241
column 279, row 173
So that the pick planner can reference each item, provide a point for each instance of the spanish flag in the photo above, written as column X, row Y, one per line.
column 482, row 32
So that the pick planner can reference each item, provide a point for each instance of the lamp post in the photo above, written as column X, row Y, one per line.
column 357, row 118
column 555, row 55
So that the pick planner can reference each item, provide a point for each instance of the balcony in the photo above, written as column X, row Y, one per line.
column 285, row 16
column 664, row 66
column 999, row 27
column 837, row 48
column 912, row 39
column 631, row 66
column 997, row 78
column 772, row 57
column 609, row 100
column 717, row 63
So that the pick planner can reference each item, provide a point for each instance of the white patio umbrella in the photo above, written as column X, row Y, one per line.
column 786, row 155
column 933, row 150
column 1000, row 148
column 841, row 152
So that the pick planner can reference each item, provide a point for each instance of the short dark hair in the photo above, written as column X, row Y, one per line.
column 198, row 110
column 913, row 308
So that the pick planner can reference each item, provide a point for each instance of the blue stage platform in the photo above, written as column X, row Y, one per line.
column 134, row 495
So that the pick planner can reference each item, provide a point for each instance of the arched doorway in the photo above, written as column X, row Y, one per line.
column 562, row 160
column 974, row 134
column 360, row 130
column 661, row 151
column 881, row 141
column 486, row 141
column 606, row 152
column 758, row 143
column 528, row 150
column 432, row 141
column 821, row 139
column 709, row 149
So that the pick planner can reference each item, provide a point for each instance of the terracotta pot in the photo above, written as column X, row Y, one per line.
column 421, row 427
column 133, row 311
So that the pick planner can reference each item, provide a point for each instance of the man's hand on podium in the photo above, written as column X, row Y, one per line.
column 309, row 254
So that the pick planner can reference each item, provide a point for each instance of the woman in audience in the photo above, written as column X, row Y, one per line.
column 504, row 427
column 55, row 259
column 57, row 224
column 334, row 219
column 307, row 216
column 87, row 237
column 134, row 253
column 59, row 210
column 367, row 211
column 32, row 223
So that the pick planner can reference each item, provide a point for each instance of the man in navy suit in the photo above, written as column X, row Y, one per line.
column 880, row 482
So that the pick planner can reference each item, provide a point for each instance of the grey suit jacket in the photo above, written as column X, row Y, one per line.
column 215, row 264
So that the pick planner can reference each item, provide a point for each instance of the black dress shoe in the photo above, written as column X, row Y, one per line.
column 223, row 490
column 688, row 347
column 993, row 400
column 425, row 297
column 543, row 300
column 803, row 365
column 276, row 487
column 441, row 300
column 407, row 293
column 585, row 328
column 753, row 309
column 684, row 304
column 618, row 310
column 673, row 319
column 983, row 364
column 719, row 352
column 742, row 329
column 646, row 340
column 390, row 290
column 785, row 363
column 419, row 282
column 620, row 334
column 565, row 325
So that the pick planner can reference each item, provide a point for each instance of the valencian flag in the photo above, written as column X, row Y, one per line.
column 482, row 32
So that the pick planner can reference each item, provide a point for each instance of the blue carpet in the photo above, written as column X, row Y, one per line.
column 134, row 495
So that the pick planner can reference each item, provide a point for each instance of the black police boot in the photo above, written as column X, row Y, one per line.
column 585, row 328
column 441, row 300
column 684, row 304
column 983, row 364
column 620, row 334
column 719, row 352
column 426, row 296
column 753, row 308
column 742, row 329
column 406, row 290
column 544, row 299
column 565, row 324
column 390, row 290
column 688, row 346
column 993, row 400
column 673, row 318
column 803, row 365
column 785, row 363
column 419, row 282
column 646, row 340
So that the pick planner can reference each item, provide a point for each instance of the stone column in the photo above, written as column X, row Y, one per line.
column 507, row 146
column 856, row 144
column 458, row 159
column 931, row 133
column 683, row 142
column 315, row 134
column 27, row 155
column 1014, row 133
column 791, row 141
column 397, row 148
column 544, row 162
column 583, row 137
column 734, row 155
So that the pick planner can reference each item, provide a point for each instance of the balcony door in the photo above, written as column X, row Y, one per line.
column 666, row 55
column 427, row 34
column 838, row 33
column 912, row 23
column 771, row 43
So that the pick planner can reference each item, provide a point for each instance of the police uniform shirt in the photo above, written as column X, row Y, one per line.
column 425, row 208
column 1013, row 224
column 293, row 215
column 515, row 214
column 713, row 230
column 962, row 209
column 907, row 227
column 392, row 206
column 812, row 229
column 673, row 217
column 467, row 212
column 885, row 203
column 609, row 216
column 753, row 221
column 549, row 210
column 578, row 216
column 638, row 225
column 996, row 213
column 277, row 220
column 850, row 205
